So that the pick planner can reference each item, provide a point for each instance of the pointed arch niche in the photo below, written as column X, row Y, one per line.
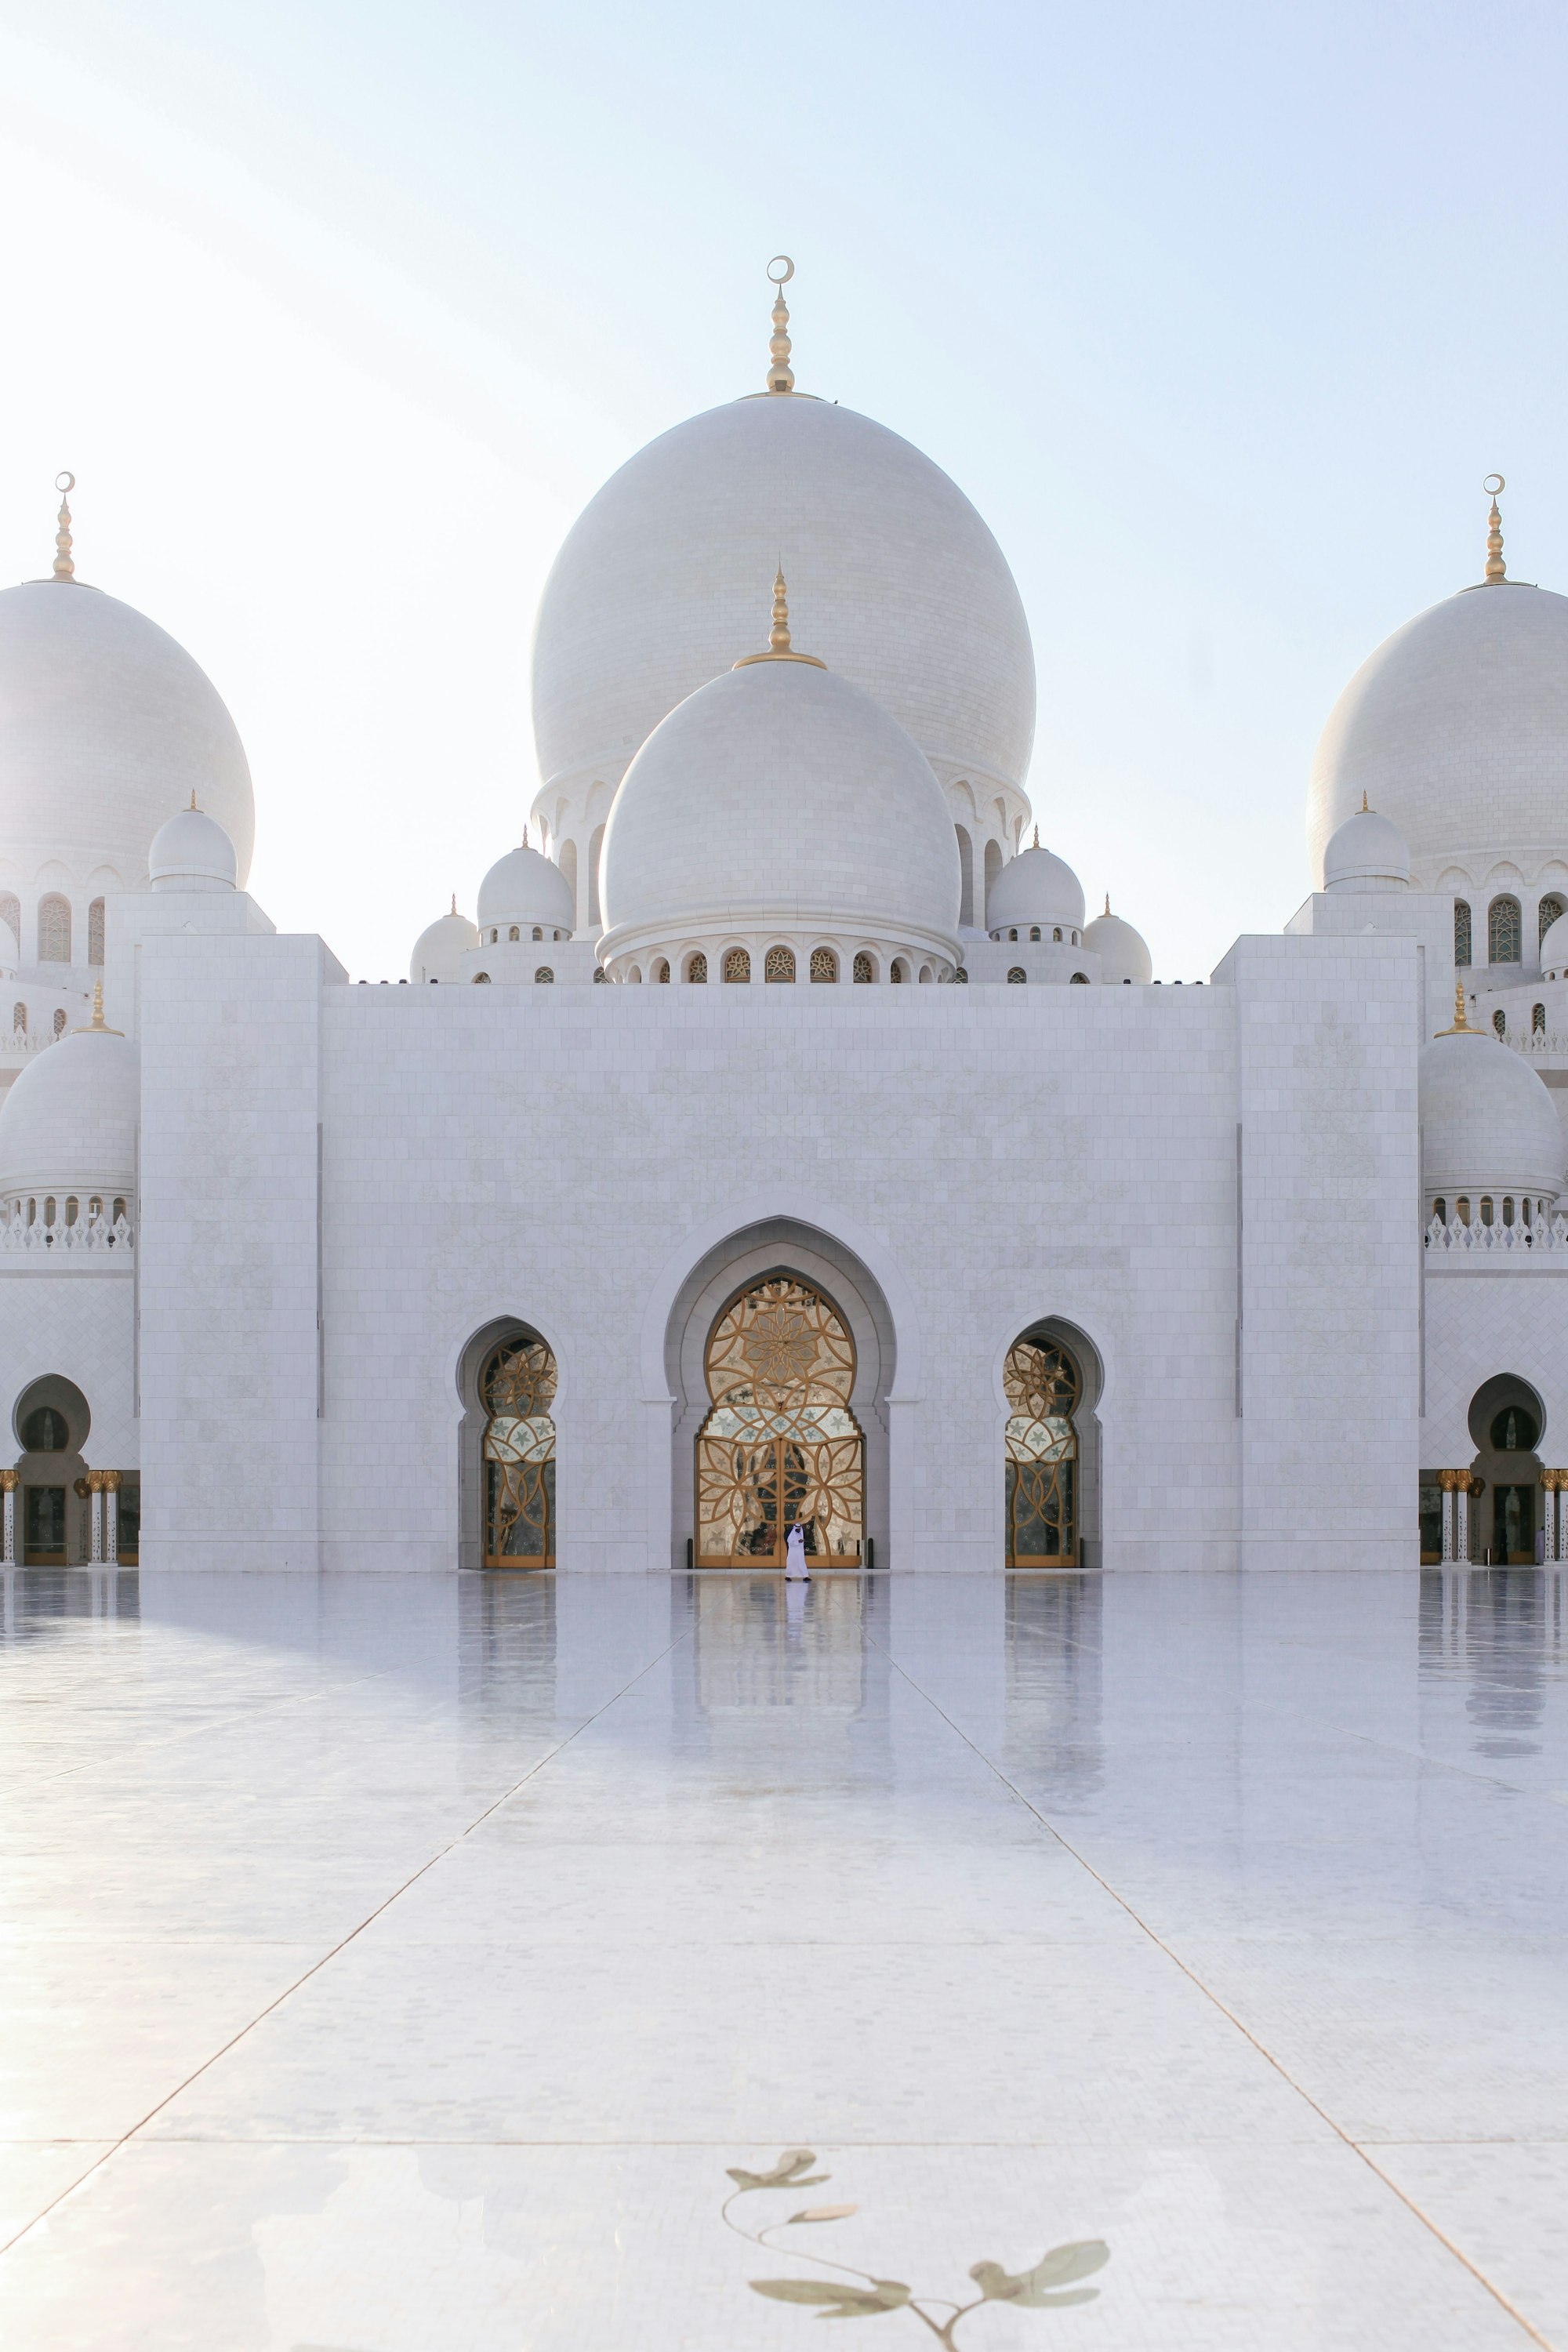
column 1052, row 1378
column 791, row 1252
column 508, row 1379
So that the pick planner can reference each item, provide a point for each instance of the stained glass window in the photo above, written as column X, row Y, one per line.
column 54, row 930
column 1462, row 931
column 780, row 1446
column 517, row 1390
column 1503, row 931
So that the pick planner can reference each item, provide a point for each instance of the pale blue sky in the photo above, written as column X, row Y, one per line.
column 341, row 312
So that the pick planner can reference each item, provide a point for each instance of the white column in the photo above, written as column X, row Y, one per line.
column 95, row 1518
column 1447, row 1520
column 10, row 1519
column 111, row 1518
column 1462, row 1521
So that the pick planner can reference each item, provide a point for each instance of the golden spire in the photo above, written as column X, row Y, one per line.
column 1108, row 902
column 1496, row 574
column 1461, row 1028
column 779, row 647
column 1036, row 836
column 64, row 567
column 781, row 376
column 97, row 1026
column 525, row 836
column 1364, row 810
column 192, row 810
column 454, row 902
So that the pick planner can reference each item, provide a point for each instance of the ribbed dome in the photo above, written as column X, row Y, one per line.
column 1122, row 952
column 192, row 852
column 68, row 1123
column 1036, row 887
column 1456, row 729
column 106, row 727
column 1487, row 1119
column 1367, row 851
column 656, row 588
column 525, row 889
column 780, row 797
column 440, row 948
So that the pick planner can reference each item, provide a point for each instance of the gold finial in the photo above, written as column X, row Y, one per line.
column 1496, row 574
column 64, row 567
column 525, row 836
column 1364, row 810
column 781, row 376
column 454, row 902
column 97, row 1026
column 192, row 810
column 1036, row 836
column 1461, row 1028
column 1108, row 902
column 779, row 647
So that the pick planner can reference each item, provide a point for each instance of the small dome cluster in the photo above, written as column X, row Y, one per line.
column 1487, row 1121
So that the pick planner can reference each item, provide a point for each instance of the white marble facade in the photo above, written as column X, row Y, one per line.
column 1287, row 1236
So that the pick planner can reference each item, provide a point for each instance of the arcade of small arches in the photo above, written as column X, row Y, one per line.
column 1505, row 920
column 783, row 964
column 778, row 1438
column 56, row 927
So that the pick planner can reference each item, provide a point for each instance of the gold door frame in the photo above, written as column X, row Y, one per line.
column 517, row 1389
column 779, row 1444
column 1044, row 1388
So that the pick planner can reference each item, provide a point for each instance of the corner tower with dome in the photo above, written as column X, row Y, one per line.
column 779, row 1143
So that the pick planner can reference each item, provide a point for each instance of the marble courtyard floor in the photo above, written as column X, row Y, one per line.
column 411, row 1965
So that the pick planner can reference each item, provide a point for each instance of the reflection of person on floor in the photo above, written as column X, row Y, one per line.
column 795, row 1552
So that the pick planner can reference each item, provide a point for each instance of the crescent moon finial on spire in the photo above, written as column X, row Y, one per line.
column 1496, row 572
column 65, row 568
column 781, row 376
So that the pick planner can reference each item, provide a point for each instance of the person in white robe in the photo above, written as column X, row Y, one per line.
column 795, row 1552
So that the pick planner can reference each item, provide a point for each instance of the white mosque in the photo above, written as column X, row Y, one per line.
column 780, row 1145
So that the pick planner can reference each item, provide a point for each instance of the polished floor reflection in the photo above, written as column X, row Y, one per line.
column 410, row 1965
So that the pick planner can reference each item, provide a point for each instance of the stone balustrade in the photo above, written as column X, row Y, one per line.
column 67, row 1235
column 1543, row 1242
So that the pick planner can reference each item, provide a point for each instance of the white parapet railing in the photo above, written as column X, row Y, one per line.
column 1543, row 1242
column 79, row 1237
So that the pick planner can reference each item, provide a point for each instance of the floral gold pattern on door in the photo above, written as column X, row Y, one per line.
column 779, row 1445
column 1043, row 1391
column 517, row 1389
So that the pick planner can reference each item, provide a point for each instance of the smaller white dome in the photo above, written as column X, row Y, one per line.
column 1554, row 949
column 525, row 889
column 10, row 952
column 440, row 949
column 1368, row 851
column 1036, row 887
column 1122, row 952
column 1487, row 1120
column 69, row 1122
column 193, row 851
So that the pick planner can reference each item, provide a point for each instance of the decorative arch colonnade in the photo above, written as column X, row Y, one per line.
column 775, row 1358
column 54, row 1510
column 1505, row 1507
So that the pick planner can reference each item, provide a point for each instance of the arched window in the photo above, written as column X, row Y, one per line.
column 900, row 971
column 926, row 972
column 661, row 969
column 1503, row 931
column 515, row 934
column 1440, row 1211
column 517, row 1390
column 538, row 932
column 1014, row 932
column 779, row 965
column 54, row 930
column 992, row 868
column 780, row 1446
column 481, row 980
column 1538, row 1020
column 1499, row 1022
column 45, row 1431
column 1462, row 1208
column 1017, row 976
column 737, row 964
column 600, row 974
column 1546, row 914
column 1044, row 1391
column 594, row 846
column 59, row 1021
column 19, row 1019
column 864, row 968
column 1462, row 931
column 697, row 968
column 11, row 912
column 543, row 973
column 824, row 964
column 965, row 876
column 1081, row 979
column 961, row 976
column 95, row 931
column 634, row 977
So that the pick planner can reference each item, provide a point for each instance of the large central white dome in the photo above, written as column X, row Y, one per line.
column 106, row 726
column 909, row 595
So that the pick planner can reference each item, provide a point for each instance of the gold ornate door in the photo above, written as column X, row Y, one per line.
column 1042, row 1391
column 517, row 1389
column 780, row 1446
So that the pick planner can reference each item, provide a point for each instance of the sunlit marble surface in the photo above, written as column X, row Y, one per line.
column 393, row 1964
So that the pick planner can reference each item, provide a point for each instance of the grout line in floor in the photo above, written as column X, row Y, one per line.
column 1357, row 2147
column 537, row 1766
